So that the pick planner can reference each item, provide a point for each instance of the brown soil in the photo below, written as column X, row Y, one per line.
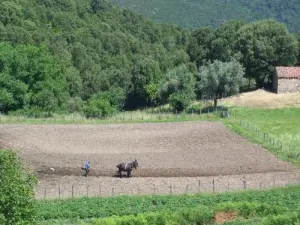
column 169, row 150
column 222, row 217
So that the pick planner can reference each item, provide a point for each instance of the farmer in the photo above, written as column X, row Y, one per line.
column 86, row 167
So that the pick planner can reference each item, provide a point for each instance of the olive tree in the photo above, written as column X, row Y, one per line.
column 220, row 79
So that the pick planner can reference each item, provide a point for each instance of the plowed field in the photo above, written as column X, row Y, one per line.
column 189, row 149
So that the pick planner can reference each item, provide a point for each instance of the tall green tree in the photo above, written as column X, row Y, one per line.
column 298, row 39
column 262, row 46
column 222, row 47
column 199, row 49
column 31, row 77
column 178, row 87
column 144, row 72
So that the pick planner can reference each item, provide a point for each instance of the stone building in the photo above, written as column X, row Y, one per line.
column 286, row 79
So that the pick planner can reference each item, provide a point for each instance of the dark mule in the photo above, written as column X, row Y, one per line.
column 127, row 167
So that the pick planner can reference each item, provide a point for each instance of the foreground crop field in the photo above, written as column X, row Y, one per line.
column 251, row 206
column 167, row 152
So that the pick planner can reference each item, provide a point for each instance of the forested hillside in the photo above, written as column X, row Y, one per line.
column 91, row 46
column 195, row 13
column 93, row 57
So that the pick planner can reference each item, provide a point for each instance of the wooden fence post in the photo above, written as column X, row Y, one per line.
column 245, row 184
column 99, row 190
column 72, row 191
column 199, row 186
column 213, row 182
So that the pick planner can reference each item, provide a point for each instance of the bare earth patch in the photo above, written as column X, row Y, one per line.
column 222, row 217
column 168, row 154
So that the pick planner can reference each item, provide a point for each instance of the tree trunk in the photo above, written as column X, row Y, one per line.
column 215, row 102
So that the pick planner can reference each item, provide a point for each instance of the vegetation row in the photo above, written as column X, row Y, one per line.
column 243, row 212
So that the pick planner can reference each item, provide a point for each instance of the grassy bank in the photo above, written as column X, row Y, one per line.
column 276, row 129
column 282, row 123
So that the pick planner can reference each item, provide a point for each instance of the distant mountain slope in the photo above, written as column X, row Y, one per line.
column 195, row 13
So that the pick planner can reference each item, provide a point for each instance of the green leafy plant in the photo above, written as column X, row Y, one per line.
column 17, row 196
column 98, row 108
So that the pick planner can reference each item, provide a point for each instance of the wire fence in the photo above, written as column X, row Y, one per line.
column 195, row 186
column 122, row 117
column 291, row 150
column 161, row 113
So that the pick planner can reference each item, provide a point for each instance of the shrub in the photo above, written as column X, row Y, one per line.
column 75, row 104
column 179, row 101
column 180, row 83
column 17, row 197
column 115, row 97
column 98, row 108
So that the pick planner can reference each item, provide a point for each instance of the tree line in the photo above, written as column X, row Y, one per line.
column 59, row 56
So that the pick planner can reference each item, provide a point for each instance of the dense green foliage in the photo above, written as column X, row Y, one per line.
column 96, row 47
column 74, row 55
column 177, row 88
column 258, row 46
column 30, row 78
column 198, row 215
column 17, row 196
column 195, row 13
column 121, row 206
column 263, row 45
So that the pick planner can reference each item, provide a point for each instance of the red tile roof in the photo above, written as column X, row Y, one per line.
column 288, row 72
